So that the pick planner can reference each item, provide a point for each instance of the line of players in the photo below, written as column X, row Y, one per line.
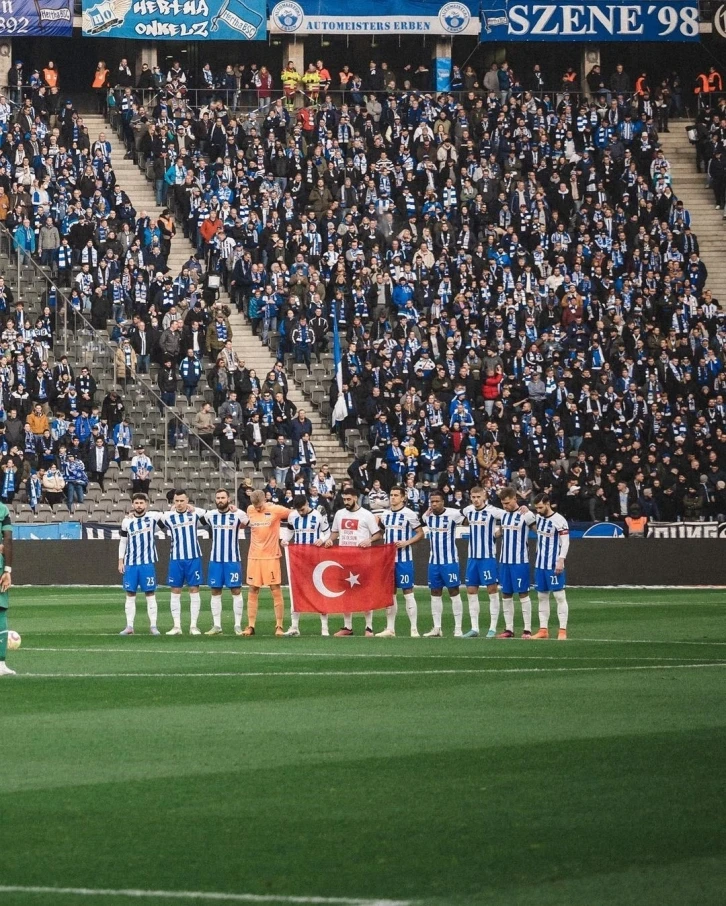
column 352, row 525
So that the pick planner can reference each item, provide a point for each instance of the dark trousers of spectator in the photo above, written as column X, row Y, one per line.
column 123, row 454
column 76, row 493
column 719, row 191
column 53, row 498
column 189, row 391
column 254, row 453
column 142, row 364
column 140, row 485
column 302, row 356
column 98, row 478
column 168, row 398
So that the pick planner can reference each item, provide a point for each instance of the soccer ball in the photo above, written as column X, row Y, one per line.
column 14, row 640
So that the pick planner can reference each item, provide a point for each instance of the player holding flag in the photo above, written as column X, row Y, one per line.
column 402, row 527
column 225, row 563
column 481, row 564
column 440, row 524
column 306, row 526
column 354, row 527
column 553, row 543
column 185, row 561
column 514, row 561
column 137, row 560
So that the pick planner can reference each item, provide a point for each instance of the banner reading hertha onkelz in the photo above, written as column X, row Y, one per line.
column 340, row 579
column 220, row 20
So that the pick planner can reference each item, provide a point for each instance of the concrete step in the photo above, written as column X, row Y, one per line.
column 248, row 347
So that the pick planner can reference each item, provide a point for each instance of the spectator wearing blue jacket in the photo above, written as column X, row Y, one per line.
column 190, row 371
column 76, row 481
column 402, row 293
column 24, row 240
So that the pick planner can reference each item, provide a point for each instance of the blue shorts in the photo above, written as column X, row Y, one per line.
column 185, row 572
column 549, row 580
column 224, row 575
column 404, row 575
column 514, row 578
column 142, row 578
column 444, row 575
column 481, row 572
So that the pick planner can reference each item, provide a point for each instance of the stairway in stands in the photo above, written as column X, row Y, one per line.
column 249, row 348
column 706, row 222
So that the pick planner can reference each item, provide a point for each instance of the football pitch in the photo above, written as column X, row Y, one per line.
column 365, row 772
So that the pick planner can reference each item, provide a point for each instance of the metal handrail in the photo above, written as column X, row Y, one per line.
column 63, row 310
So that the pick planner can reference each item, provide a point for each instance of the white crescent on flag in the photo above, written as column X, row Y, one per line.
column 318, row 582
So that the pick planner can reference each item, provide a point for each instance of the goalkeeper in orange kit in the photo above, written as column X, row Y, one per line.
column 263, row 560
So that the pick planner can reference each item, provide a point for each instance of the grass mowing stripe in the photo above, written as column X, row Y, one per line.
column 359, row 673
column 209, row 896
column 329, row 655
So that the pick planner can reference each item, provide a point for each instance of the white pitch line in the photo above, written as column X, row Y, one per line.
column 342, row 657
column 210, row 896
column 365, row 673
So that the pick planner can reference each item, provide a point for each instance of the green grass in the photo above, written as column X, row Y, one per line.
column 446, row 772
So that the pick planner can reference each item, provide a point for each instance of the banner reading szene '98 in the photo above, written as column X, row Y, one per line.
column 221, row 20
column 381, row 17
column 44, row 18
column 532, row 20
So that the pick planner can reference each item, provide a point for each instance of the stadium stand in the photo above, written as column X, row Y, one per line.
column 520, row 293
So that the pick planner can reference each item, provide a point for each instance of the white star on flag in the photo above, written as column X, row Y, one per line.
column 352, row 580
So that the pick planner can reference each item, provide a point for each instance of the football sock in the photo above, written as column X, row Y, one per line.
column 368, row 615
column 278, row 605
column 526, row 605
column 437, row 608
column 543, row 598
column 238, row 603
column 216, row 605
column 391, row 616
column 348, row 621
column 152, row 608
column 411, row 608
column 508, row 608
column 195, row 605
column 562, row 609
column 474, row 610
column 3, row 633
column 130, row 608
column 252, row 604
column 324, row 622
column 175, row 606
column 493, row 610
column 294, row 620
column 458, row 608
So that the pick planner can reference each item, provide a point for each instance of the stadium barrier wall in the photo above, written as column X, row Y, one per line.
column 590, row 562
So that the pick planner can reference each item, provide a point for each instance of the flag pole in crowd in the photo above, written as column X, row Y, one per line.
column 340, row 410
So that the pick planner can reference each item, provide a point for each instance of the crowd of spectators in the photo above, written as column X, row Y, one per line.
column 518, row 287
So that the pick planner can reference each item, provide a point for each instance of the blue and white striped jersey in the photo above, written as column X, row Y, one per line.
column 399, row 525
column 482, row 525
column 225, row 529
column 140, row 541
column 308, row 529
column 183, row 530
column 515, row 531
column 550, row 533
column 442, row 533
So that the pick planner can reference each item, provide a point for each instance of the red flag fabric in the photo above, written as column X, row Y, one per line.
column 340, row 579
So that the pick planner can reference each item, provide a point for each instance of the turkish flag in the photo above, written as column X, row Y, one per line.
column 340, row 579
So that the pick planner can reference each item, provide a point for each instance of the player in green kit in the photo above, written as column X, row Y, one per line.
column 6, row 560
